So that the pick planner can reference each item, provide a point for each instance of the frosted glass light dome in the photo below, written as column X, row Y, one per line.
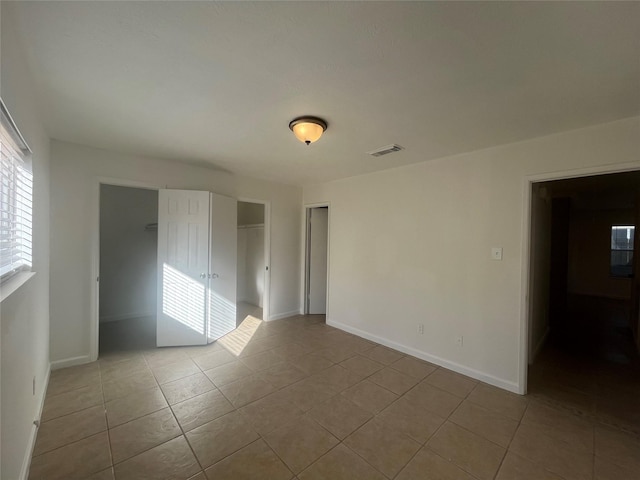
column 308, row 129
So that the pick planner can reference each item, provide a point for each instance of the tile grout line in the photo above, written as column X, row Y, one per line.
column 375, row 415
column 305, row 413
column 113, row 465
column 318, row 346
column 444, row 423
column 173, row 413
column 520, row 422
column 106, row 421
column 507, row 450
column 236, row 410
column 184, row 434
column 424, row 444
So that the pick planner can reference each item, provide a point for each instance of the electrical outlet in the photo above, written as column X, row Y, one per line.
column 459, row 340
column 421, row 328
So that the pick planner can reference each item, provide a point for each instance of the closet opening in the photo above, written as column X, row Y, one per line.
column 128, row 248
column 252, row 261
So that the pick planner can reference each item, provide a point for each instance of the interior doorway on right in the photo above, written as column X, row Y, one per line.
column 585, row 297
column 316, row 261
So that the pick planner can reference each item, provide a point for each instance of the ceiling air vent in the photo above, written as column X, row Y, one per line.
column 384, row 150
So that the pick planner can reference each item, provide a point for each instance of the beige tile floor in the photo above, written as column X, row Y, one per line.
column 298, row 399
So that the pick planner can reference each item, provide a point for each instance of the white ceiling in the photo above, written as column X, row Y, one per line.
column 218, row 83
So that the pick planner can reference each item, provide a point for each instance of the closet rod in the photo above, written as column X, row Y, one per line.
column 255, row 225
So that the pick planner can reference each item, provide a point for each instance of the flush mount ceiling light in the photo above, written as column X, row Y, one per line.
column 308, row 129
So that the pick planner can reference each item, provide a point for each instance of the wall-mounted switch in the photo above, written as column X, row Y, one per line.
column 496, row 253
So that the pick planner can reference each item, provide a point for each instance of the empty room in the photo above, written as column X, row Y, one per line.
column 319, row 240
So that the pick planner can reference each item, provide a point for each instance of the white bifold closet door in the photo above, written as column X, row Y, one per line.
column 196, row 286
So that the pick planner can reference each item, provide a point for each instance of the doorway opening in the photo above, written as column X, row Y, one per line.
column 128, row 243
column 584, row 295
column 252, row 264
column 316, row 260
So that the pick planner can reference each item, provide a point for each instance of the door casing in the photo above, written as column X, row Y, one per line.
column 94, row 326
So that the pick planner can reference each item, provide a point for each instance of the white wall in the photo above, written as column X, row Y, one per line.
column 128, row 253
column 412, row 245
column 24, row 315
column 74, row 173
column 250, row 213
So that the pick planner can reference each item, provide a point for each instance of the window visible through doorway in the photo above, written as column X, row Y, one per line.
column 622, row 237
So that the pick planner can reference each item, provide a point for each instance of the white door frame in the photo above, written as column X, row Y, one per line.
column 266, row 300
column 528, row 182
column 94, row 326
column 305, row 255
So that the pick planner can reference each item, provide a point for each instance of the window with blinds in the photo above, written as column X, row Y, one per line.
column 622, row 238
column 16, row 199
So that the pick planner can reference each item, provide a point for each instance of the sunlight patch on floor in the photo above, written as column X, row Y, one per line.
column 237, row 340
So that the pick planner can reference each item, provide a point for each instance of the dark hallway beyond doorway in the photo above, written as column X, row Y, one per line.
column 590, row 365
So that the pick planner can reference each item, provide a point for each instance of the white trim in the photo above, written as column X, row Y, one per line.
column 94, row 327
column 13, row 284
column 525, row 268
column 456, row 367
column 70, row 362
column 125, row 316
column 528, row 181
column 305, row 230
column 26, row 461
column 280, row 316
column 266, row 297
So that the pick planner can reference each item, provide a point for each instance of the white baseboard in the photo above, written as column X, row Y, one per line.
column 280, row 316
column 456, row 367
column 125, row 316
column 70, row 362
column 538, row 347
column 26, row 462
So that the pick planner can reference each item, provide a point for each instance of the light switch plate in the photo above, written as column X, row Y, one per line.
column 496, row 253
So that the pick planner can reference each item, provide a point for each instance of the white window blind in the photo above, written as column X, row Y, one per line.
column 16, row 199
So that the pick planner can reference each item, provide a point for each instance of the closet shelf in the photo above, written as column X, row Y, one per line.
column 254, row 225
